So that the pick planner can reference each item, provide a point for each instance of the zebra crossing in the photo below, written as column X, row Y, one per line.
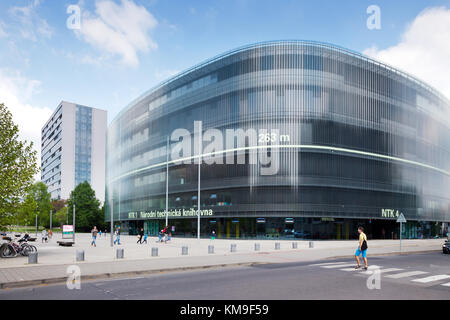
column 414, row 276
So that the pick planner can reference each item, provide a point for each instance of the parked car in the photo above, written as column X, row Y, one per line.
column 446, row 247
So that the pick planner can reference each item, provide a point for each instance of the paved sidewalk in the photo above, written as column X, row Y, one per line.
column 101, row 263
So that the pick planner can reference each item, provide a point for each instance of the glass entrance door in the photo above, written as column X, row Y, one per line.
column 152, row 227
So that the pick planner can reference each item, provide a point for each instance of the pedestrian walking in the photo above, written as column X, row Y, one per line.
column 213, row 235
column 94, row 233
column 141, row 235
column 362, row 249
column 145, row 238
column 160, row 236
column 44, row 236
column 50, row 233
column 117, row 236
column 99, row 233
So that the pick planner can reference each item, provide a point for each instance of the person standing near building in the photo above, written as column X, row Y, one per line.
column 94, row 233
column 117, row 236
column 141, row 235
column 145, row 237
column 44, row 236
column 213, row 235
column 99, row 233
column 362, row 249
column 165, row 233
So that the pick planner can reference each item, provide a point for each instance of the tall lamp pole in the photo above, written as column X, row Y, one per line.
column 73, row 219
column 112, row 223
column 198, row 191
column 167, row 182
column 51, row 213
column 36, row 225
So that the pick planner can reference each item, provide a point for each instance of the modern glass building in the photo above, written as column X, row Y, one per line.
column 299, row 139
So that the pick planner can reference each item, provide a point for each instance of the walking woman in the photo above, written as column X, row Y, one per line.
column 362, row 249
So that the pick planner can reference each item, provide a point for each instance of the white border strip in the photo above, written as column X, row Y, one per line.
column 291, row 146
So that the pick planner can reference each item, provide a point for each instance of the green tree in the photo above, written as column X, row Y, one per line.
column 27, row 211
column 42, row 197
column 87, row 208
column 60, row 216
column 17, row 166
column 58, row 205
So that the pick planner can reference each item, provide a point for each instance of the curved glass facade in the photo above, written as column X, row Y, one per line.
column 341, row 140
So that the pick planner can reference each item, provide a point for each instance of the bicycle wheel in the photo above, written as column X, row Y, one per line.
column 7, row 251
column 26, row 250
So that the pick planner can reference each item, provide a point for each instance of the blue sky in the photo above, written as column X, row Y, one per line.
column 125, row 47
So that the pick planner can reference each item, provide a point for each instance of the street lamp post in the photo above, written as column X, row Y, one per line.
column 51, row 214
column 112, row 223
column 36, row 226
column 198, row 191
column 74, row 220
column 167, row 182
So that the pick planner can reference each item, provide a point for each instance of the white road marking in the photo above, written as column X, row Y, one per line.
column 432, row 278
column 405, row 274
column 324, row 264
column 373, row 267
column 390, row 270
column 446, row 284
column 360, row 269
column 339, row 265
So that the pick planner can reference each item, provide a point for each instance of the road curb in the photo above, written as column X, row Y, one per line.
column 109, row 275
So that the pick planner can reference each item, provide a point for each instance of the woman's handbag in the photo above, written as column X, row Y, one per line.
column 364, row 245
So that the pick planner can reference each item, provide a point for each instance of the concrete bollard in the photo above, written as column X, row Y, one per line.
column 210, row 249
column 257, row 247
column 294, row 245
column 184, row 251
column 33, row 258
column 154, row 252
column 311, row 244
column 277, row 246
column 119, row 253
column 233, row 248
column 80, row 255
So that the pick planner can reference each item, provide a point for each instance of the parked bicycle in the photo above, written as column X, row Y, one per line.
column 12, row 249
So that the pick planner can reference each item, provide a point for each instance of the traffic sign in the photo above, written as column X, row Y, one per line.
column 401, row 218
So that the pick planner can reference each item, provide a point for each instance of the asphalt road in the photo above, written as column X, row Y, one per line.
column 413, row 276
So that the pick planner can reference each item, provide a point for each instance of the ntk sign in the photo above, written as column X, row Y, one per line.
column 390, row 213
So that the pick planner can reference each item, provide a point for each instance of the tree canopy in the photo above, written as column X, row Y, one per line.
column 39, row 192
column 27, row 211
column 18, row 165
column 87, row 208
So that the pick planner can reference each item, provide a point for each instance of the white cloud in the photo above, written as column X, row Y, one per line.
column 3, row 33
column 119, row 29
column 15, row 92
column 31, row 26
column 424, row 49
